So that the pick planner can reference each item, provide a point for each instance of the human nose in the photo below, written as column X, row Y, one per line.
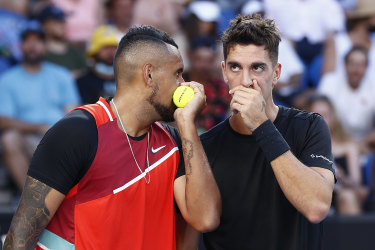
column 180, row 80
column 246, row 79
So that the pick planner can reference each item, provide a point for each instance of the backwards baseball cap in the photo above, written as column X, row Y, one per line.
column 51, row 12
column 206, row 11
column 103, row 36
column 32, row 27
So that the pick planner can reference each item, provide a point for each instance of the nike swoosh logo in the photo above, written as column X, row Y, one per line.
column 154, row 151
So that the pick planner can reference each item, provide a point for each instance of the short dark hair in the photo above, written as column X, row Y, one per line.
column 355, row 49
column 252, row 29
column 32, row 27
column 139, row 39
column 144, row 33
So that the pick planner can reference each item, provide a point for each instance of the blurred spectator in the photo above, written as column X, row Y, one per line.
column 99, row 80
column 360, row 24
column 289, row 83
column 252, row 7
column 83, row 16
column 352, row 94
column 228, row 10
column 33, row 96
column 307, row 23
column 13, row 20
column 201, row 19
column 120, row 14
column 202, row 58
column 163, row 14
column 59, row 51
column 349, row 194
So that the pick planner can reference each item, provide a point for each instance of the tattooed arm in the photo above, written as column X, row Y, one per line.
column 196, row 193
column 38, row 204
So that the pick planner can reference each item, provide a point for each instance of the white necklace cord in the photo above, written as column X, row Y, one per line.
column 147, row 172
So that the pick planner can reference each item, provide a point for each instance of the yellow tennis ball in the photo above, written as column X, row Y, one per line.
column 182, row 95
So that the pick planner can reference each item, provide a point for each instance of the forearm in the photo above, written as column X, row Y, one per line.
column 23, row 127
column 354, row 166
column 202, row 196
column 307, row 190
column 329, row 55
column 37, row 206
column 186, row 237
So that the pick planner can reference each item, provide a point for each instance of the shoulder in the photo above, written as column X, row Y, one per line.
column 78, row 123
column 220, row 128
column 55, row 69
column 307, row 135
column 298, row 119
column 169, row 130
column 11, row 74
column 296, row 114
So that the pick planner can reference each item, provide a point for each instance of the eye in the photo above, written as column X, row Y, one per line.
column 258, row 68
column 235, row 68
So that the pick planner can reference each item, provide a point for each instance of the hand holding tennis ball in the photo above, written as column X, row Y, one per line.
column 182, row 95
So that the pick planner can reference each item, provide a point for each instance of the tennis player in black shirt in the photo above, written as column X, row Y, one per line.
column 273, row 164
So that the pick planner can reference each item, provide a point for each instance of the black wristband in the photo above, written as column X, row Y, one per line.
column 270, row 140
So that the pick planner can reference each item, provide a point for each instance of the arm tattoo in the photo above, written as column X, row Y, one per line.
column 31, row 217
column 187, row 148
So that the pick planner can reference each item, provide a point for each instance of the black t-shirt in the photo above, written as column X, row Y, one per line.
column 255, row 213
column 68, row 149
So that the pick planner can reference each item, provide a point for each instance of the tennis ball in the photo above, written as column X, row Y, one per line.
column 182, row 95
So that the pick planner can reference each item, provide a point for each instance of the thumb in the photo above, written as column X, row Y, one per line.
column 256, row 86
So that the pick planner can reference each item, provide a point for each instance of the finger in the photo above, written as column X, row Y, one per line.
column 247, row 93
column 256, row 86
column 236, row 107
column 242, row 98
column 195, row 85
column 239, row 88
column 233, row 90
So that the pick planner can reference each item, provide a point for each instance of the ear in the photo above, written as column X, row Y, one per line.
column 223, row 71
column 277, row 74
column 147, row 74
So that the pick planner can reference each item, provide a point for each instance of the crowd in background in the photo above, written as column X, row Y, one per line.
column 58, row 54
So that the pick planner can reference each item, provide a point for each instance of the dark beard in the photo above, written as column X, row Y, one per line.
column 165, row 112
column 36, row 60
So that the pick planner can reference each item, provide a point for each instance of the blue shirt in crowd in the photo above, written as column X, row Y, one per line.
column 38, row 98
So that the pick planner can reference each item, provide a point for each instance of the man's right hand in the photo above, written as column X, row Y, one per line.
column 194, row 107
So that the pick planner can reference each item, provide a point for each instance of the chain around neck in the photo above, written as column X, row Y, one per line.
column 146, row 172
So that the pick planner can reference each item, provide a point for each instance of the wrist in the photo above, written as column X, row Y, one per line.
column 270, row 140
column 184, row 120
column 258, row 124
column 185, row 125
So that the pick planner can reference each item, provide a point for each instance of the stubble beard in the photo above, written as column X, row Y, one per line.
column 166, row 112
